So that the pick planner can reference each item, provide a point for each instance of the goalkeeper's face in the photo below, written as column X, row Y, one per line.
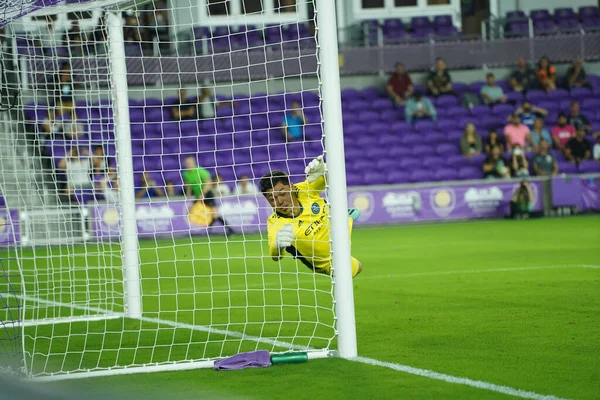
column 283, row 199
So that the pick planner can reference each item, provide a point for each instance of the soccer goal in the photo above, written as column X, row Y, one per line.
column 116, row 264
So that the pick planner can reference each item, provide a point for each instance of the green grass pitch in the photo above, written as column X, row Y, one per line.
column 514, row 303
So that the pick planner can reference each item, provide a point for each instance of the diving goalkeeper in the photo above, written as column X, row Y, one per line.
column 300, row 223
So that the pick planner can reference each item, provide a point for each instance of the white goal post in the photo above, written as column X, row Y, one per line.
column 153, row 279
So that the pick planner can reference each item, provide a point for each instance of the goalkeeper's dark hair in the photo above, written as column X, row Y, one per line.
column 273, row 178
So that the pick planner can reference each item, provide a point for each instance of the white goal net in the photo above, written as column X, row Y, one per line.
column 137, row 230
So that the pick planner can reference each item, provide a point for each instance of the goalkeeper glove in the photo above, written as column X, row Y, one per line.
column 315, row 169
column 285, row 237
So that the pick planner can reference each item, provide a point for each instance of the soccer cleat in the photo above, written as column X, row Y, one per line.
column 354, row 213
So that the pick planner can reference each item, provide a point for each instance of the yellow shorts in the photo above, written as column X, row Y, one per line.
column 325, row 267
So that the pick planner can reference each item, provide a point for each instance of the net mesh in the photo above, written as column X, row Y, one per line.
column 239, row 99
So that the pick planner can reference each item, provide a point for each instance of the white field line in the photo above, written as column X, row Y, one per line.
column 365, row 276
column 200, row 328
column 457, row 380
column 370, row 361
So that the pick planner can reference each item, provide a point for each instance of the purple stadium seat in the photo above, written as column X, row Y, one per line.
column 515, row 96
column 544, row 27
column 374, row 178
column 516, row 15
column 418, row 23
column 481, row 110
column 446, row 149
column 558, row 94
column 422, row 175
column 470, row 173
column 354, row 179
column 391, row 115
column 368, row 116
column 581, row 93
column 591, row 24
column 409, row 163
column 446, row 101
column 425, row 126
column 446, row 174
column 389, row 139
column 442, row 20
column 433, row 163
column 536, row 95
column 397, row 177
column 399, row 151
column 445, row 125
column 435, row 137
column 564, row 13
column 401, row 128
column 588, row 167
column 412, row 139
column 387, row 164
column 503, row 110
column 381, row 104
column 458, row 111
column 376, row 152
column 422, row 150
column 565, row 167
column 540, row 14
column 371, row 93
column 518, row 29
column 567, row 25
column 589, row 12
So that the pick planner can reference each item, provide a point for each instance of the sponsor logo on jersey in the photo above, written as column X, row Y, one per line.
column 315, row 208
column 315, row 226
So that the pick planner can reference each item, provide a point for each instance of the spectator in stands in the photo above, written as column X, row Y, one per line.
column 546, row 75
column 578, row 120
column 99, row 36
column 77, row 169
column 199, row 184
column 523, row 78
column 184, row 109
column 108, row 185
column 208, row 104
column 562, row 132
column 516, row 133
column 439, row 81
column 419, row 108
column 131, row 29
column 245, row 186
column 495, row 166
column 596, row 150
column 64, row 96
column 576, row 75
column 539, row 133
column 75, row 40
column 519, row 164
column 470, row 143
column 528, row 113
column 51, row 127
column 171, row 189
column 73, row 130
column 293, row 123
column 148, row 188
column 578, row 148
column 400, row 85
column 544, row 162
column 492, row 93
column 99, row 161
column 494, row 140
column 221, row 188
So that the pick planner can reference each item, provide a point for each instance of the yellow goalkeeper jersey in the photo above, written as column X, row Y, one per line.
column 311, row 245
